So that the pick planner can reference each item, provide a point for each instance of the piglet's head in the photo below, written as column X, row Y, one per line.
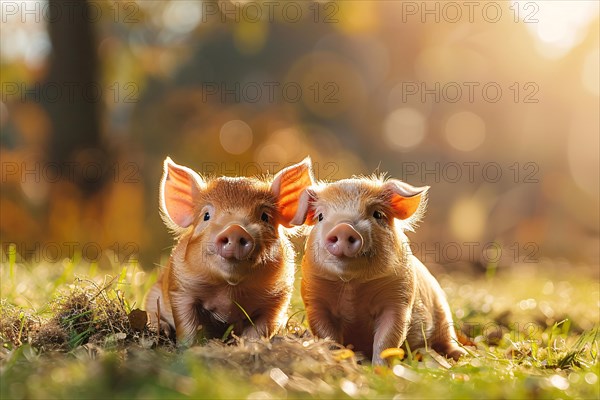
column 229, row 226
column 358, row 224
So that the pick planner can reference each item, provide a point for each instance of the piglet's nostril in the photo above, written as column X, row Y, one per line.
column 332, row 239
column 351, row 239
column 243, row 241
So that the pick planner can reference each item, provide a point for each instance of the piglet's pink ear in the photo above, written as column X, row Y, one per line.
column 289, row 186
column 407, row 201
column 305, row 212
column 179, row 188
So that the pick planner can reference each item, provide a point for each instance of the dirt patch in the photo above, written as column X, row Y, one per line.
column 86, row 314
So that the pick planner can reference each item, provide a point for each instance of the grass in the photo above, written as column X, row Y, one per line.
column 69, row 330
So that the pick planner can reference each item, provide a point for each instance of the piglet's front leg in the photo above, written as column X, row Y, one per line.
column 391, row 329
column 323, row 324
column 187, row 319
column 263, row 326
column 265, row 317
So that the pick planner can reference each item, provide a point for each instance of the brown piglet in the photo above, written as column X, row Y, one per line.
column 361, row 285
column 232, row 263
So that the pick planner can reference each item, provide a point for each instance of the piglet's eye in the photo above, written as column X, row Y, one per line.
column 206, row 216
column 320, row 217
column 377, row 215
column 264, row 217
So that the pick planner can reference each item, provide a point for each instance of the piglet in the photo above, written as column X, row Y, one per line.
column 232, row 263
column 361, row 285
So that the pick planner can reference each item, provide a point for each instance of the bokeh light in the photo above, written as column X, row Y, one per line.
column 359, row 86
column 404, row 128
column 181, row 16
column 236, row 136
column 283, row 146
column 28, row 41
column 357, row 16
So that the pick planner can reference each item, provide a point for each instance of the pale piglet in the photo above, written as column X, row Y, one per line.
column 361, row 285
column 232, row 263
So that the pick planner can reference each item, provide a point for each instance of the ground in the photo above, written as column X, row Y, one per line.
column 68, row 331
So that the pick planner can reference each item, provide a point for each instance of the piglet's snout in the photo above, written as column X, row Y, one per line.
column 234, row 242
column 344, row 240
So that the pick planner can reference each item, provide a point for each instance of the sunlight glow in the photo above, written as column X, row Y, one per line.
column 24, row 35
column 557, row 25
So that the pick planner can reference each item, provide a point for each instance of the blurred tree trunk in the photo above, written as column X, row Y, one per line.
column 76, row 136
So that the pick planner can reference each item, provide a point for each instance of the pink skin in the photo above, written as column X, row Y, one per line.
column 361, row 286
column 230, row 261
column 234, row 243
column 344, row 241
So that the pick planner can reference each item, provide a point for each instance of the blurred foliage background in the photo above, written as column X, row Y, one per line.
column 493, row 104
